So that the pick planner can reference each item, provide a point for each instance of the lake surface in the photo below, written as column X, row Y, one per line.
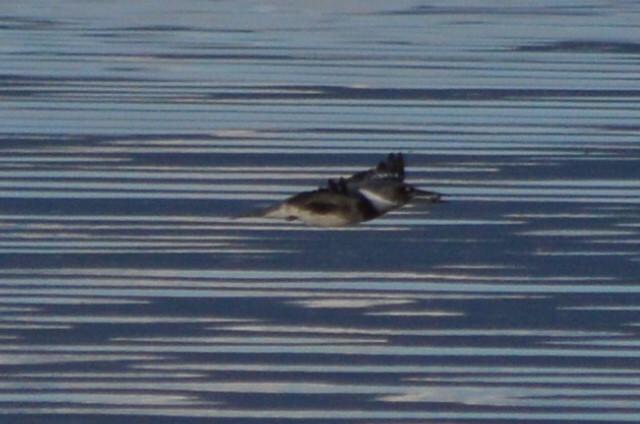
column 132, row 134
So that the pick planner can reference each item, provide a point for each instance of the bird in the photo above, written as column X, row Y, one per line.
column 359, row 198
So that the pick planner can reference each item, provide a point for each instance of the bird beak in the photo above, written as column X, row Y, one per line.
column 429, row 196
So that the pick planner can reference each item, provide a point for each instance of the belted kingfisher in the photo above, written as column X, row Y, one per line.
column 361, row 197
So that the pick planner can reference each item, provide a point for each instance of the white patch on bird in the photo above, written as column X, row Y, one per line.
column 328, row 220
column 291, row 212
column 283, row 210
column 379, row 202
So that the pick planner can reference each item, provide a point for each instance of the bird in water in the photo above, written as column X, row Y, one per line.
column 346, row 201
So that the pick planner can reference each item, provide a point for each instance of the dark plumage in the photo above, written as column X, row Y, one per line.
column 344, row 201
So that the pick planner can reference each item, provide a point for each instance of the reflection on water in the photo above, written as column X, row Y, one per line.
column 132, row 139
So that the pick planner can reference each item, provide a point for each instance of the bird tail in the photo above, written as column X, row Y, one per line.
column 274, row 211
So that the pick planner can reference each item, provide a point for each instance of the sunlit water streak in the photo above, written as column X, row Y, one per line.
column 132, row 140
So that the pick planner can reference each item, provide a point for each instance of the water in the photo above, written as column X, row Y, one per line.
column 133, row 133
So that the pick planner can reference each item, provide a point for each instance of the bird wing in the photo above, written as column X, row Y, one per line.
column 391, row 169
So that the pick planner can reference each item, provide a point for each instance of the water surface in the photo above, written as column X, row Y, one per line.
column 132, row 135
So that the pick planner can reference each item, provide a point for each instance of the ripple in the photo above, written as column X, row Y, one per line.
column 130, row 141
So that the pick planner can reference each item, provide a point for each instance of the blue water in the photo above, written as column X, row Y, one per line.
column 131, row 135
